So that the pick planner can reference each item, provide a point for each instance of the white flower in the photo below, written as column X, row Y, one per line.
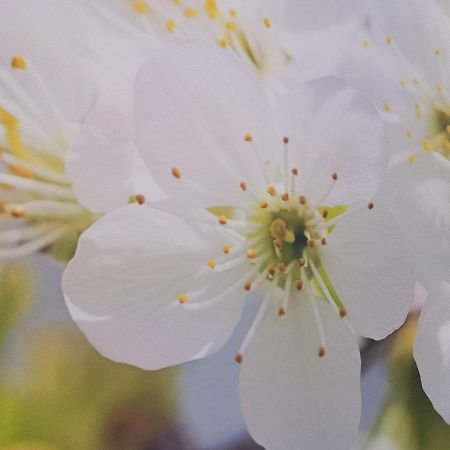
column 402, row 63
column 432, row 348
column 284, row 210
column 45, row 92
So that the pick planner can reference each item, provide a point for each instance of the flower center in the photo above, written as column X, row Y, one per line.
column 440, row 129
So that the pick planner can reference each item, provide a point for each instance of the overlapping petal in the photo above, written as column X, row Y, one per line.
column 432, row 348
column 331, row 128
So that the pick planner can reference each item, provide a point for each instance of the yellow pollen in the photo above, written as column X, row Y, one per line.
column 365, row 42
column 251, row 253
column 230, row 25
column 212, row 263
column 243, row 186
column 437, row 52
column 211, row 9
column 263, row 204
column 170, row 25
column 223, row 220
column 182, row 298
column 190, row 12
column 233, row 12
column 248, row 137
column 271, row 191
column 17, row 212
column 389, row 39
column 226, row 248
column 267, row 22
column 412, row 158
column 223, row 42
column 409, row 134
column 387, row 107
column 19, row 62
column 176, row 172
column 141, row 7
column 426, row 145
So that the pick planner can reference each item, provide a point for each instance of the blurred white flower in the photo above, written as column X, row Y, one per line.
column 432, row 348
column 278, row 202
column 401, row 61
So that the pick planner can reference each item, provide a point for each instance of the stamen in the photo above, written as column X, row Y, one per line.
column 319, row 325
column 267, row 22
column 212, row 263
column 19, row 63
column 182, row 298
column 223, row 220
column 140, row 199
column 176, row 172
column 226, row 248
column 255, row 325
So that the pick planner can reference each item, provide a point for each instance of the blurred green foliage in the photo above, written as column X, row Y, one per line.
column 65, row 396
column 408, row 417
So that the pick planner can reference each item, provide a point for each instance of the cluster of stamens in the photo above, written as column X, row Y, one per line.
column 281, row 237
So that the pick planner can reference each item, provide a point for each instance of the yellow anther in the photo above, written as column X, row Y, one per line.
column 387, row 107
column 285, row 197
column 267, row 22
column 223, row 219
column 19, row 62
column 403, row 83
column 212, row 263
column 389, row 39
column 140, row 199
column 437, row 52
column 251, row 254
column 17, row 212
column 447, row 145
column 248, row 137
column 141, row 7
column 263, row 204
column 230, row 25
column 176, row 172
column 426, row 145
column 223, row 42
column 233, row 12
column 412, row 158
column 243, row 186
column 21, row 171
column 279, row 230
column 409, row 134
column 365, row 42
column 226, row 248
column 271, row 191
column 182, row 298
column 190, row 12
column 170, row 25
column 211, row 9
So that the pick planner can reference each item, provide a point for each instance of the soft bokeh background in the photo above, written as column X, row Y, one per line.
column 57, row 393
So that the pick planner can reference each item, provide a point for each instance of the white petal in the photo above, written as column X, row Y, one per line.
column 419, row 197
column 290, row 397
column 333, row 129
column 137, row 257
column 172, row 335
column 432, row 349
column 194, row 105
column 305, row 14
column 102, row 161
column 370, row 268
